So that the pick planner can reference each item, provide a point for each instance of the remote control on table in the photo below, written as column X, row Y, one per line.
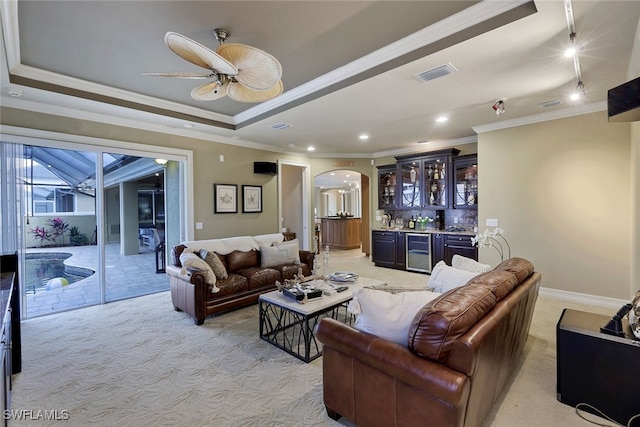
column 342, row 288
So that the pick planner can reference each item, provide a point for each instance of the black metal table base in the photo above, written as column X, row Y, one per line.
column 294, row 332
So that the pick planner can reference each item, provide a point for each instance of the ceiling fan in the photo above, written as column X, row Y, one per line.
column 244, row 73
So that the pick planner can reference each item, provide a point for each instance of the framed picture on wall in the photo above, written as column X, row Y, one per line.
column 251, row 198
column 225, row 198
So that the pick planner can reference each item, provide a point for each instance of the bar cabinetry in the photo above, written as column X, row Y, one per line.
column 341, row 233
column 388, row 249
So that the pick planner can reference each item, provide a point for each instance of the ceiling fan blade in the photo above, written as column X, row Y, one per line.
column 198, row 54
column 180, row 75
column 241, row 93
column 209, row 92
column 256, row 69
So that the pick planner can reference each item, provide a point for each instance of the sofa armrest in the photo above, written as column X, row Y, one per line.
column 306, row 257
column 395, row 361
column 192, row 276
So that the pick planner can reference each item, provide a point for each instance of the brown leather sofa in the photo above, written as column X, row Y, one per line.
column 462, row 349
column 246, row 281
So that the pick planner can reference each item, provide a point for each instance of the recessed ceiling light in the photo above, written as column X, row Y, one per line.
column 311, row 148
column 423, row 141
column 332, row 173
column 188, row 125
column 441, row 119
column 15, row 93
column 364, row 136
column 569, row 53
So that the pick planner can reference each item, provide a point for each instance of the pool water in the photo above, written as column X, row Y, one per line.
column 41, row 267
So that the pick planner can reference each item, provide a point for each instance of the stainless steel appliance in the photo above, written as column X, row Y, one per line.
column 418, row 247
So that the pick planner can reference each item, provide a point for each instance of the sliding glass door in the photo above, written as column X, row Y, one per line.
column 95, row 226
column 61, row 253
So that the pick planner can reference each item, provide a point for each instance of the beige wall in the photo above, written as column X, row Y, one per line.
column 561, row 190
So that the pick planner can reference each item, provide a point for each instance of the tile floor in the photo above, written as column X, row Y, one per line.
column 127, row 276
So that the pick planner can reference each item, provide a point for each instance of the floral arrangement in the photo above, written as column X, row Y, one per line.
column 493, row 239
column 424, row 221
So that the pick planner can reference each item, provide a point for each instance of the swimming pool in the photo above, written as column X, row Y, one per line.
column 41, row 267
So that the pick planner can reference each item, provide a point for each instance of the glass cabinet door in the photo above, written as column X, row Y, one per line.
column 466, row 183
column 387, row 187
column 435, row 171
column 411, row 184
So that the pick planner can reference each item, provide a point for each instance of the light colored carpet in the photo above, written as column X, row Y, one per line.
column 140, row 363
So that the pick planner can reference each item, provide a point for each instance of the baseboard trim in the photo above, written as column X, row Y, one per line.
column 581, row 298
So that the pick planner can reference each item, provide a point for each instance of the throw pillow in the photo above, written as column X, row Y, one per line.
column 271, row 256
column 191, row 260
column 215, row 263
column 387, row 315
column 468, row 264
column 444, row 278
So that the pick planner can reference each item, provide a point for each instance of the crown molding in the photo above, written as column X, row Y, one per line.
column 463, row 20
column 543, row 117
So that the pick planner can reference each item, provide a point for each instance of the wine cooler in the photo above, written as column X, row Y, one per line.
column 418, row 247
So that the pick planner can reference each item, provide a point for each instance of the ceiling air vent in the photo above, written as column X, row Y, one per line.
column 279, row 126
column 550, row 104
column 437, row 72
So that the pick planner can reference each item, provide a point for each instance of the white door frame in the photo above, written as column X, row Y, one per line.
column 306, row 182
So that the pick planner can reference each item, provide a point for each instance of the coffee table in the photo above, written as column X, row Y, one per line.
column 290, row 325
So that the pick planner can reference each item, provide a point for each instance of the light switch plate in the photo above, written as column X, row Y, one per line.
column 492, row 222
column 198, row 226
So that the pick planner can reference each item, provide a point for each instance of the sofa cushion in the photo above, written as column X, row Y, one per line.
column 215, row 263
column 518, row 266
column 288, row 271
column 444, row 278
column 500, row 282
column 443, row 320
column 237, row 260
column 388, row 315
column 468, row 264
column 232, row 285
column 259, row 277
column 282, row 253
column 191, row 260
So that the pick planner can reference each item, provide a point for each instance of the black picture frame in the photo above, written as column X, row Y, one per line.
column 225, row 198
column 251, row 198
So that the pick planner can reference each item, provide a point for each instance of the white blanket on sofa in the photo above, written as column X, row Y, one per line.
column 227, row 245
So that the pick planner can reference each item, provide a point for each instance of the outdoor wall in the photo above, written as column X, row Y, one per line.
column 561, row 190
column 86, row 225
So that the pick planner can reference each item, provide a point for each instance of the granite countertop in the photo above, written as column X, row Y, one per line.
column 427, row 231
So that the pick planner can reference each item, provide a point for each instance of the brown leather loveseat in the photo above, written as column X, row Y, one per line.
column 246, row 276
column 462, row 349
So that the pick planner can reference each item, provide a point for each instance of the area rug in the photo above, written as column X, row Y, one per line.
column 139, row 363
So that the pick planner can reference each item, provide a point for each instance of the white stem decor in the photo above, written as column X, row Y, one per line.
column 493, row 239
column 325, row 261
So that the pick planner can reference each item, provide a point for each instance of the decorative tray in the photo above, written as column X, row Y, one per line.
column 343, row 276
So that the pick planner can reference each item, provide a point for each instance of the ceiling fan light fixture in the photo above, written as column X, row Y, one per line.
column 245, row 73
column 241, row 93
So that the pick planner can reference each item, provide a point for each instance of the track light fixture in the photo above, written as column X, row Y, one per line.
column 498, row 107
column 572, row 51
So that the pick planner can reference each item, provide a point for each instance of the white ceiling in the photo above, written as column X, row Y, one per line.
column 349, row 67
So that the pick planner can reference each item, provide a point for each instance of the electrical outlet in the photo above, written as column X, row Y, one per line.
column 222, row 157
column 455, row 220
column 198, row 226
column 492, row 222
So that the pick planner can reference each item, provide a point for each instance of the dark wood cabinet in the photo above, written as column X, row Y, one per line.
column 387, row 186
column 388, row 249
column 465, row 185
column 10, row 334
column 459, row 244
column 425, row 181
column 437, row 248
